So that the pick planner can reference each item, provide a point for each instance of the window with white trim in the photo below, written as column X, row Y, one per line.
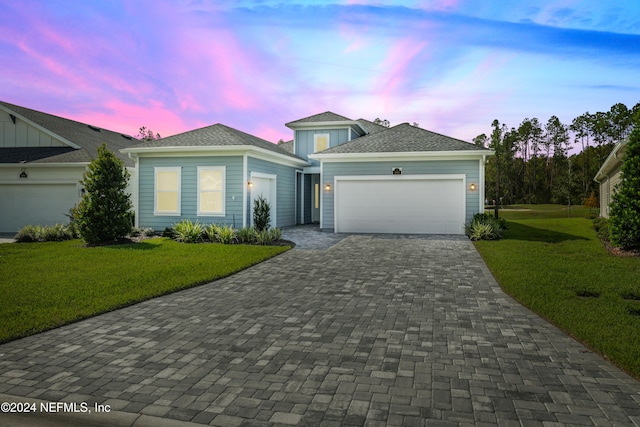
column 211, row 183
column 320, row 142
column 167, row 190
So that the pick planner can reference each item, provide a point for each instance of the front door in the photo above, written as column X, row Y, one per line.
column 264, row 186
column 315, row 198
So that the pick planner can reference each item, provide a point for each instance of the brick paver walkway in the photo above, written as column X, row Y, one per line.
column 372, row 331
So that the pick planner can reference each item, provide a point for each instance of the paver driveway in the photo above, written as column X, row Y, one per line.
column 375, row 330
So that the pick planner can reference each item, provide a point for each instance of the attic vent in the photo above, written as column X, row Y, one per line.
column 125, row 136
column 93, row 128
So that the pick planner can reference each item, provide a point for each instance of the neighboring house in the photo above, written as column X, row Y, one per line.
column 42, row 160
column 346, row 175
column 609, row 176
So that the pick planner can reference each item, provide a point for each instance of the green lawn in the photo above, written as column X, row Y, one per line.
column 45, row 285
column 544, row 211
column 559, row 269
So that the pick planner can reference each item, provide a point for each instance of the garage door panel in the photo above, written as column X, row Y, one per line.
column 421, row 206
column 33, row 204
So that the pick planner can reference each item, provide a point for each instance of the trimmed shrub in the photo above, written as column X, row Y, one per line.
column 247, row 235
column 220, row 233
column 264, row 237
column 211, row 231
column 38, row 233
column 276, row 234
column 144, row 232
column 485, row 227
column 28, row 233
column 226, row 235
column 261, row 214
column 187, row 231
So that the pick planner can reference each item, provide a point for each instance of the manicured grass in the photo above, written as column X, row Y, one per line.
column 544, row 211
column 45, row 285
column 559, row 269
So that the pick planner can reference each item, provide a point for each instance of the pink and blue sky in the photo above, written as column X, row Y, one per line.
column 450, row 65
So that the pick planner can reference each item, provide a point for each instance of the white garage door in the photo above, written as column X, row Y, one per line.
column 400, row 204
column 43, row 204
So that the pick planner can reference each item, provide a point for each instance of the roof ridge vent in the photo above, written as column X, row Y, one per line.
column 126, row 136
column 94, row 128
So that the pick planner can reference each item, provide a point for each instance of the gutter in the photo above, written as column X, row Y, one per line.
column 203, row 150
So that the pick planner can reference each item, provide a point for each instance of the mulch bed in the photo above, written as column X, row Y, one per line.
column 620, row 252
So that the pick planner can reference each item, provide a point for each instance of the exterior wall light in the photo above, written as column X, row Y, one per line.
column 327, row 187
column 472, row 187
column 250, row 184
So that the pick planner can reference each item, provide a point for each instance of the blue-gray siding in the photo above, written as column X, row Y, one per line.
column 470, row 168
column 285, row 189
column 234, row 182
column 304, row 141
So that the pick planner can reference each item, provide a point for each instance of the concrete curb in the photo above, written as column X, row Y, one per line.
column 89, row 419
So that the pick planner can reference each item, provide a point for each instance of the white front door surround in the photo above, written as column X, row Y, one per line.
column 264, row 185
column 412, row 204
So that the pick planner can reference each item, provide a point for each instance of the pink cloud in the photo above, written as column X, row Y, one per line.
column 396, row 66
column 127, row 118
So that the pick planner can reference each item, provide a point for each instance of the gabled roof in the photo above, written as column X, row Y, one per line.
column 327, row 116
column 82, row 139
column 403, row 138
column 217, row 135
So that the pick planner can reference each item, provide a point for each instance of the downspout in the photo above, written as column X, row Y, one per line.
column 321, row 191
column 481, row 183
column 604, row 207
column 136, row 203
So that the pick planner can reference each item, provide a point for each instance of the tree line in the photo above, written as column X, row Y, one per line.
column 534, row 164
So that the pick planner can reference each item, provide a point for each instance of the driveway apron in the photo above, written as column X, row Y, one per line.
column 370, row 330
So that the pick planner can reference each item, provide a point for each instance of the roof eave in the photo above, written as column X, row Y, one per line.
column 240, row 149
column 317, row 125
column 44, row 164
column 611, row 162
column 413, row 155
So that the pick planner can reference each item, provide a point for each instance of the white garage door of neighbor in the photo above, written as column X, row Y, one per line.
column 392, row 205
column 35, row 204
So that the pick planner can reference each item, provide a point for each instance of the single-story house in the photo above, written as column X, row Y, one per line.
column 345, row 175
column 42, row 160
column 609, row 176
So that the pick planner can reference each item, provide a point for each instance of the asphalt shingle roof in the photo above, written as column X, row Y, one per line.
column 287, row 145
column 327, row 116
column 217, row 135
column 78, row 133
column 403, row 138
column 370, row 127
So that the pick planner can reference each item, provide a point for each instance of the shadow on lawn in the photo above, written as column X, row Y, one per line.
column 519, row 231
column 138, row 246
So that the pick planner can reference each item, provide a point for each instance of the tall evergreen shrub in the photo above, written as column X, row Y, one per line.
column 104, row 213
column 624, row 216
column 261, row 214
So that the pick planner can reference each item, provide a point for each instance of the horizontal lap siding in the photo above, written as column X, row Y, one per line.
column 304, row 141
column 470, row 168
column 285, row 189
column 233, row 190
